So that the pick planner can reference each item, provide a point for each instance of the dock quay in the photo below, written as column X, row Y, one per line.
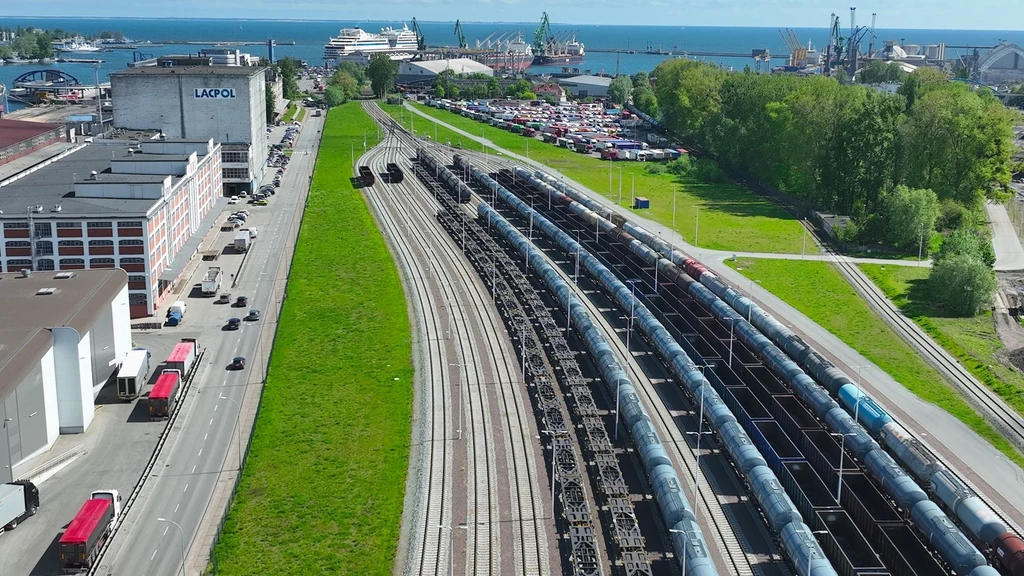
column 682, row 53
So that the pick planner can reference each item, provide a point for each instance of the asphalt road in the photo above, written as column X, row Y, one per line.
column 1009, row 253
column 180, row 490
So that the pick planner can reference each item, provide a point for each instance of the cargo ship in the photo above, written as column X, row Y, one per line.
column 570, row 52
column 511, row 56
column 357, row 45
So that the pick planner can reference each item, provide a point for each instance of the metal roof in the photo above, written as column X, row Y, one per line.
column 189, row 71
column 587, row 80
column 15, row 131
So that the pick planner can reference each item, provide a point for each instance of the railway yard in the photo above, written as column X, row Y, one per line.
column 591, row 400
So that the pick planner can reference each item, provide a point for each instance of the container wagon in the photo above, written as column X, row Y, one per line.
column 162, row 397
column 133, row 374
column 394, row 174
column 366, row 175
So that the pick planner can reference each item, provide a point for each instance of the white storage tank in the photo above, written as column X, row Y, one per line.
column 911, row 49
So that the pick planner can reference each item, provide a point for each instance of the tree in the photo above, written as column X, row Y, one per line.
column 968, row 242
column 271, row 101
column 334, row 95
column 641, row 80
column 382, row 72
column 345, row 82
column 908, row 216
column 493, row 87
column 289, row 68
column 689, row 94
column 438, row 90
column 516, row 89
column 529, row 96
column 620, row 89
column 354, row 70
column 963, row 284
column 916, row 82
column 646, row 101
column 878, row 72
column 6, row 52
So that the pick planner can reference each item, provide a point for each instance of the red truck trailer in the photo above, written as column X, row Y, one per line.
column 162, row 397
column 82, row 540
column 182, row 357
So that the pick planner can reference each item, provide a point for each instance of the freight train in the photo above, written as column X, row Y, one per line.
column 728, row 305
column 795, row 537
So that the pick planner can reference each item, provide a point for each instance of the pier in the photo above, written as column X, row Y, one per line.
column 684, row 53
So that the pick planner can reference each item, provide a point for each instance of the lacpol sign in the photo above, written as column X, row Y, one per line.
column 215, row 92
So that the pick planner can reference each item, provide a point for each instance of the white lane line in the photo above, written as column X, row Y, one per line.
column 166, row 528
column 211, row 421
column 200, row 453
column 153, row 556
column 215, row 407
column 176, row 508
column 193, row 470
column 205, row 435
column 186, row 488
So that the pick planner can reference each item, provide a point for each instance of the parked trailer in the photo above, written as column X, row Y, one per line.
column 133, row 374
column 162, row 397
column 366, row 175
column 242, row 241
column 212, row 280
column 80, row 543
column 18, row 501
column 182, row 357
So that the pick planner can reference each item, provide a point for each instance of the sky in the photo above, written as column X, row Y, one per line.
column 922, row 14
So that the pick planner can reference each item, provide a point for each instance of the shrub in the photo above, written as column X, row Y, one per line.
column 963, row 284
column 952, row 216
column 653, row 168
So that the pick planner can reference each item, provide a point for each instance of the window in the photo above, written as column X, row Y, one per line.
column 44, row 247
column 135, row 278
column 44, row 264
column 43, row 229
column 101, row 261
column 234, row 157
column 72, row 261
column 18, row 244
column 133, row 261
column 237, row 173
column 98, row 224
column 101, row 242
column 69, row 243
column 130, row 242
column 15, row 225
column 69, row 224
column 129, row 224
column 18, row 263
column 136, row 299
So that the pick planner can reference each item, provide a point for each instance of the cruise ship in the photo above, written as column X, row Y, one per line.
column 356, row 45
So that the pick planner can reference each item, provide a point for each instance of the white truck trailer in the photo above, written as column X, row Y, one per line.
column 242, row 241
column 133, row 374
column 212, row 281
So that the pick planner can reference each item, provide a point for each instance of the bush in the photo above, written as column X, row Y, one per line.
column 909, row 215
column 681, row 166
column 968, row 242
column 847, row 235
column 963, row 284
column 655, row 169
column 707, row 171
column 952, row 216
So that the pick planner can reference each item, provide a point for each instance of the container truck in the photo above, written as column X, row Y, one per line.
column 80, row 544
column 182, row 357
column 162, row 397
column 242, row 241
column 211, row 283
column 133, row 374
column 18, row 501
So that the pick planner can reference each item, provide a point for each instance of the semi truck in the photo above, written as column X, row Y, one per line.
column 212, row 280
column 164, row 394
column 18, row 501
column 182, row 357
column 133, row 374
column 80, row 544
column 242, row 241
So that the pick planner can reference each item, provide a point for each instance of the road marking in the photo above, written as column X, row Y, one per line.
column 186, row 488
column 200, row 453
column 205, row 435
column 193, row 470
column 215, row 407
column 166, row 528
column 211, row 421
column 153, row 556
column 176, row 508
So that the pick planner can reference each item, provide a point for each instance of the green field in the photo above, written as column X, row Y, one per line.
column 973, row 341
column 289, row 113
column 823, row 295
column 323, row 486
column 730, row 218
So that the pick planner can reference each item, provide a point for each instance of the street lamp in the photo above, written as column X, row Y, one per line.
column 732, row 333
column 750, row 296
column 696, row 225
column 700, row 432
column 687, row 534
column 842, row 443
column 238, row 429
column 460, row 399
column 618, row 384
column 810, row 554
column 451, row 545
column 554, row 455
column 182, row 534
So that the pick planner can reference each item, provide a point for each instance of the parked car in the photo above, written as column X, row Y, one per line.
column 237, row 363
column 233, row 200
column 234, row 324
column 261, row 202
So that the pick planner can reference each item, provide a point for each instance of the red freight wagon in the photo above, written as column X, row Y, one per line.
column 161, row 399
column 80, row 542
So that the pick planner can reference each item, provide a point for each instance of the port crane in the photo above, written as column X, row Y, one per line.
column 421, row 42
column 797, row 51
column 542, row 36
column 462, row 37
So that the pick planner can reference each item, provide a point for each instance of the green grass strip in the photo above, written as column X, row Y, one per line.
column 817, row 290
column 730, row 217
column 289, row 113
column 323, row 486
column 972, row 341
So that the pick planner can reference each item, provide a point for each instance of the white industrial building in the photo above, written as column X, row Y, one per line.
column 225, row 103
column 62, row 334
column 428, row 69
column 586, row 86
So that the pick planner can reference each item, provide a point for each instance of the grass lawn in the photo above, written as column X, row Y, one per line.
column 289, row 113
column 424, row 127
column 730, row 218
column 323, row 486
column 821, row 293
column 973, row 341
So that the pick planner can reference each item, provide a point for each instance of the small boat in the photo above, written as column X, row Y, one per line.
column 16, row 60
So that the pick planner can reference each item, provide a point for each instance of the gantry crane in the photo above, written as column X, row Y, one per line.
column 460, row 35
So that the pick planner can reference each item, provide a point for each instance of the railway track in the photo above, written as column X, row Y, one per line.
column 496, row 413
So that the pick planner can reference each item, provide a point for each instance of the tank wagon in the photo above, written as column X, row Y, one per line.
column 795, row 536
column 768, row 338
column 447, row 178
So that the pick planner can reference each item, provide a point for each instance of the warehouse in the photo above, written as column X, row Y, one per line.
column 61, row 337
column 428, row 69
column 142, row 206
column 225, row 103
column 587, row 86
column 18, row 137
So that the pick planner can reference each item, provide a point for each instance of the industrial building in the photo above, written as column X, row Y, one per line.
column 224, row 103
column 428, row 69
column 586, row 86
column 19, row 138
column 62, row 335
column 142, row 206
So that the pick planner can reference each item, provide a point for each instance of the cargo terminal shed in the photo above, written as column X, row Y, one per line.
column 136, row 205
column 62, row 335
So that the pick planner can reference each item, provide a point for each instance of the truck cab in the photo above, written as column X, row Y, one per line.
column 18, row 501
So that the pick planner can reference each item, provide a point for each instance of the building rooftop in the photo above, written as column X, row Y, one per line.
column 457, row 65
column 28, row 310
column 15, row 131
column 189, row 71
column 54, row 185
column 587, row 79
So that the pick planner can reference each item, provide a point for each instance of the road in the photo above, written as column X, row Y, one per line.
column 952, row 440
column 187, row 472
column 1009, row 252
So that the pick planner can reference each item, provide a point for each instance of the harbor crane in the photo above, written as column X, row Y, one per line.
column 462, row 37
column 421, row 42
column 797, row 51
column 542, row 36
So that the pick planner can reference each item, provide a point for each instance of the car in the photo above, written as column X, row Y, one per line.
column 243, row 194
column 254, row 314
column 233, row 200
column 244, row 212
column 225, row 297
column 233, row 324
column 242, row 302
column 237, row 363
column 261, row 202
column 277, row 183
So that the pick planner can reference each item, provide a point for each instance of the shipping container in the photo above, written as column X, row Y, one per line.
column 904, row 553
column 366, row 175
column 845, row 546
column 162, row 397
column 182, row 357
column 84, row 535
column 641, row 203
